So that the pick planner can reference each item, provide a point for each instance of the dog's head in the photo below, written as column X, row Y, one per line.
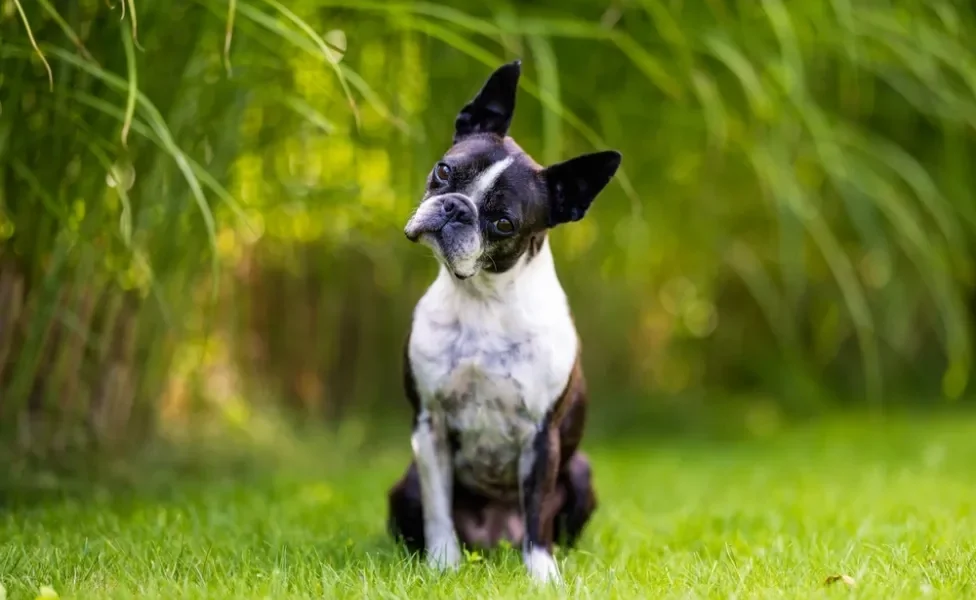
column 487, row 203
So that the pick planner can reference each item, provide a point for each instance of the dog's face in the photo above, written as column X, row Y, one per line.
column 487, row 203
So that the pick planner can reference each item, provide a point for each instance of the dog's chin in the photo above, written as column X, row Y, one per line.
column 459, row 265
column 459, row 275
column 460, row 268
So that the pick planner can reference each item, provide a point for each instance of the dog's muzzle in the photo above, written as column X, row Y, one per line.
column 437, row 212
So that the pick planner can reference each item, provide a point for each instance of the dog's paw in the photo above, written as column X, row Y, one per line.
column 444, row 554
column 542, row 566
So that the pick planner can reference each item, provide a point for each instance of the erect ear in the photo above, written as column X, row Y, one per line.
column 575, row 183
column 491, row 110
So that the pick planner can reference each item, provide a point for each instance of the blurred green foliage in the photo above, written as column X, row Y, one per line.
column 201, row 203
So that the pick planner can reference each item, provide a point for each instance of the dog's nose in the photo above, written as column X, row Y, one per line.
column 450, row 206
column 457, row 208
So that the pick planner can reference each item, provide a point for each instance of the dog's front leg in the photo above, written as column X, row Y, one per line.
column 432, row 454
column 538, row 465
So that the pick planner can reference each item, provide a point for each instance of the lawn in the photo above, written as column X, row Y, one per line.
column 889, row 505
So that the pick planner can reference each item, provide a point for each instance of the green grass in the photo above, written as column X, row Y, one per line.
column 891, row 505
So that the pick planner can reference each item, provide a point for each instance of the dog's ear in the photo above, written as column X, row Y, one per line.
column 575, row 183
column 491, row 110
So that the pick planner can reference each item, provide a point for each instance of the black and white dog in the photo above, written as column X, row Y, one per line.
column 492, row 364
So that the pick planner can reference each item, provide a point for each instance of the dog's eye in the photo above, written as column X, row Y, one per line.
column 504, row 226
column 441, row 173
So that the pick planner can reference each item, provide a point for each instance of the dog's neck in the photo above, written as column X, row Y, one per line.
column 533, row 275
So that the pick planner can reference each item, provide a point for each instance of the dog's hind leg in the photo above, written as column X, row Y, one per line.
column 405, row 521
column 579, row 500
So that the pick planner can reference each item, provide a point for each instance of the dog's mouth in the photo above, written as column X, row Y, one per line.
column 423, row 228
column 413, row 233
column 434, row 240
column 427, row 220
column 451, row 232
column 452, row 268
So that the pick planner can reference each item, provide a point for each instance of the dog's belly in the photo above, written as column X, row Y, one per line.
column 487, row 467
column 487, row 455
column 489, row 422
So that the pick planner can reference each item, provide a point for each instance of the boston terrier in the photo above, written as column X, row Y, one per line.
column 492, row 362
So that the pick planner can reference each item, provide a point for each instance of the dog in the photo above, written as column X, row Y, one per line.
column 492, row 362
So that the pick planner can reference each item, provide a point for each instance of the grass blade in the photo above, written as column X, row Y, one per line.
column 206, row 179
column 133, row 87
column 134, row 19
column 231, row 13
column 324, row 48
column 30, row 36
column 545, row 61
column 68, row 31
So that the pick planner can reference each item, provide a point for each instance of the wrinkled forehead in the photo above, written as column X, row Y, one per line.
column 482, row 166
column 478, row 151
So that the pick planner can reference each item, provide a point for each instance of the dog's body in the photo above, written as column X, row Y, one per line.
column 492, row 365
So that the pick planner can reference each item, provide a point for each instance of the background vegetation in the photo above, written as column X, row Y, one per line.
column 201, row 203
column 201, row 212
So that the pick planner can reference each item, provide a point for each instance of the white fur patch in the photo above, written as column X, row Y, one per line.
column 491, row 355
column 487, row 179
column 436, row 479
column 542, row 566
column 443, row 552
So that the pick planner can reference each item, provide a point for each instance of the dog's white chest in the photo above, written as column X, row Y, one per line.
column 491, row 367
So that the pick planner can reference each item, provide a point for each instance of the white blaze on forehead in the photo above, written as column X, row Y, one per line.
column 487, row 179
